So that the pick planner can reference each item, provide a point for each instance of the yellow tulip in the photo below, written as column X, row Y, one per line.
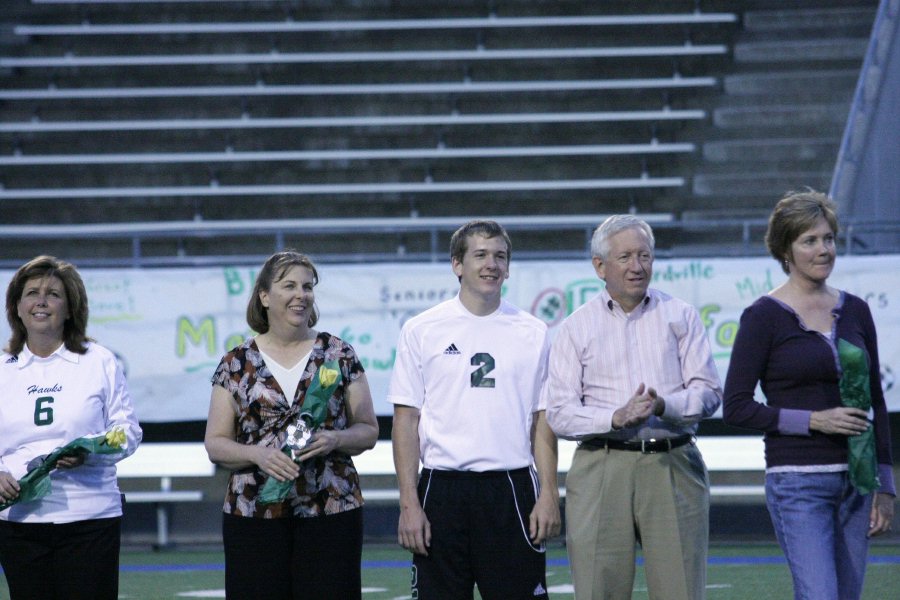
column 115, row 437
column 327, row 377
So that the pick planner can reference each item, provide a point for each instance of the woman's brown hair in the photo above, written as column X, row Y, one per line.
column 273, row 271
column 75, row 327
column 795, row 213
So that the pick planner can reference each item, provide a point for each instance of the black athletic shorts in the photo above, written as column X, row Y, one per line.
column 479, row 536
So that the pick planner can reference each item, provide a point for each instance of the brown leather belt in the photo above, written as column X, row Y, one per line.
column 651, row 446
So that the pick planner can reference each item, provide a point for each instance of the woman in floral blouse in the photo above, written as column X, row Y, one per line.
column 292, row 523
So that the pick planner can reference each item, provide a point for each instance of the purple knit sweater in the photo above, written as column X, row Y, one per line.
column 799, row 372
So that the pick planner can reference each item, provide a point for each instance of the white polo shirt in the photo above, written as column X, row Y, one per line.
column 476, row 382
column 48, row 402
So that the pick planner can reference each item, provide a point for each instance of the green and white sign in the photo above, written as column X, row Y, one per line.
column 171, row 326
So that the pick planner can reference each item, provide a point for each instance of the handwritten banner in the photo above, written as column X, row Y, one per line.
column 170, row 327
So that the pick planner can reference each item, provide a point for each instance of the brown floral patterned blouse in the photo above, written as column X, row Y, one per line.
column 327, row 484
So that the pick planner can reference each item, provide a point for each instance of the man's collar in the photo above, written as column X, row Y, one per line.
column 611, row 304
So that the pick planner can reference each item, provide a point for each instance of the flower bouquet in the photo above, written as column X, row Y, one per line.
column 35, row 484
column 855, row 392
column 300, row 433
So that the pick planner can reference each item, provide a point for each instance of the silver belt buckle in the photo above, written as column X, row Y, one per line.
column 644, row 443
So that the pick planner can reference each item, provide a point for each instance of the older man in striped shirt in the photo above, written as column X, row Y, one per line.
column 631, row 374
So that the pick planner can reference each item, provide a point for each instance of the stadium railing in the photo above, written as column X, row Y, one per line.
column 490, row 22
column 653, row 147
column 36, row 125
column 215, row 190
column 52, row 92
column 578, row 227
column 274, row 58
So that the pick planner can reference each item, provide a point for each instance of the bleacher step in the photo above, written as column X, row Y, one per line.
column 830, row 116
column 765, row 184
column 781, row 51
column 831, row 19
column 785, row 83
column 772, row 149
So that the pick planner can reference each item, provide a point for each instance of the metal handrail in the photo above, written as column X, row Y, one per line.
column 229, row 156
column 200, row 228
column 353, row 89
column 298, row 189
column 450, row 119
column 746, row 239
column 491, row 22
column 278, row 58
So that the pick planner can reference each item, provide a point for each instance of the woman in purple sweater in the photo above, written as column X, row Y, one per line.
column 812, row 348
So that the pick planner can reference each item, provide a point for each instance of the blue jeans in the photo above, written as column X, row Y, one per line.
column 821, row 522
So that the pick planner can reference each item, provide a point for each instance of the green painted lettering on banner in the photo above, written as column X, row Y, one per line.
column 233, row 282
column 723, row 333
column 202, row 334
column 695, row 269
column 238, row 283
column 750, row 289
column 364, row 339
column 234, row 340
column 706, row 313
column 385, row 365
column 348, row 336
column 580, row 291
column 375, row 364
column 726, row 332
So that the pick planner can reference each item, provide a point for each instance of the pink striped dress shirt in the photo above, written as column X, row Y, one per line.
column 601, row 355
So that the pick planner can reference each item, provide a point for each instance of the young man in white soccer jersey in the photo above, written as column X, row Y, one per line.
column 466, row 390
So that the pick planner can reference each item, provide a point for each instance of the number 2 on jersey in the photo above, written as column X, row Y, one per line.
column 486, row 362
column 43, row 412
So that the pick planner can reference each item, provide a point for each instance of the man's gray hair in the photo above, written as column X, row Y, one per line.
column 613, row 225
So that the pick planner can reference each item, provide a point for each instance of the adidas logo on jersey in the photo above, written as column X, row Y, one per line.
column 452, row 349
column 12, row 359
column 539, row 590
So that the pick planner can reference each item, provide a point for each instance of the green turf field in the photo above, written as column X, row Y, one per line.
column 736, row 572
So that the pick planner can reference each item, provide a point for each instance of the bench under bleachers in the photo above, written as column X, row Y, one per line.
column 722, row 454
column 163, row 462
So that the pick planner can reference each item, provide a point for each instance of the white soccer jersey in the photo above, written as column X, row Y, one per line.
column 476, row 382
column 48, row 402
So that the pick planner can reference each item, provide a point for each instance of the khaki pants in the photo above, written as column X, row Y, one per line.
column 616, row 499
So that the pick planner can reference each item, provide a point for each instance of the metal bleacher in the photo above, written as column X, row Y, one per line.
column 275, row 233
column 450, row 119
column 273, row 57
column 177, row 132
column 386, row 24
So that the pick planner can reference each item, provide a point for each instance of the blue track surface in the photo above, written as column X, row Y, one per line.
column 557, row 562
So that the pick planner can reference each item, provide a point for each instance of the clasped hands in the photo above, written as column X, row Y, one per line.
column 280, row 466
column 641, row 406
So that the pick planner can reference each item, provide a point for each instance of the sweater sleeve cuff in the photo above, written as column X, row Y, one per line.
column 793, row 422
column 886, row 478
